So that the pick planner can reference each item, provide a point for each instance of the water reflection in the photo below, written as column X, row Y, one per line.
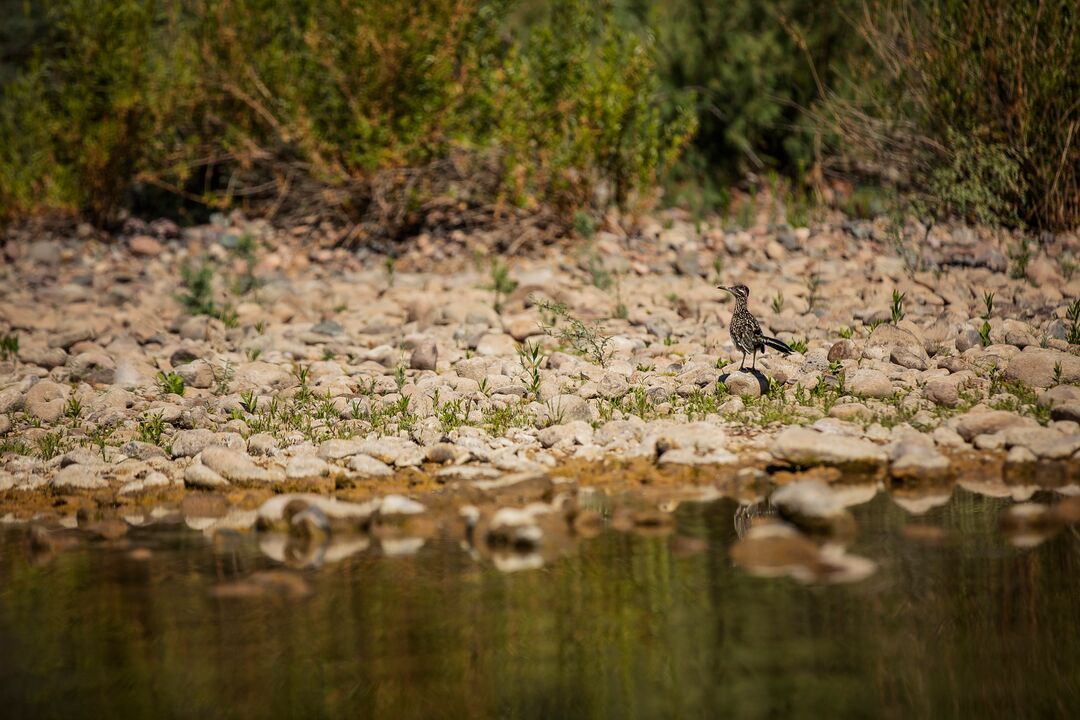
column 669, row 617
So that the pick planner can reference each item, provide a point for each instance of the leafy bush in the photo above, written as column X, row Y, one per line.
column 755, row 65
column 585, row 91
column 78, row 123
column 367, row 109
column 972, row 104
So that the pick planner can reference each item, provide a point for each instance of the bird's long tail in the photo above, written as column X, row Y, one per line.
column 776, row 344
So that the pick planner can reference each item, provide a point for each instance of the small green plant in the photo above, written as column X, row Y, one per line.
column 389, row 270
column 245, row 282
column 586, row 339
column 171, row 383
column 253, row 354
column 327, row 410
column 1073, row 313
column 73, row 408
column 399, row 376
column 532, row 357
column 639, row 403
column 554, row 412
column 798, row 346
column 846, row 332
column 718, row 267
column 151, row 428
column 101, row 435
column 397, row 412
column 198, row 294
column 1016, row 397
column 1057, row 373
column 260, row 327
column 988, row 304
column 9, row 347
column 584, row 224
column 50, row 445
column 501, row 283
column 776, row 391
column 222, row 378
column 1020, row 255
column 897, row 310
column 813, row 299
column 228, row 317
column 984, row 333
column 699, row 404
column 600, row 277
column 778, row 302
column 621, row 311
column 451, row 415
column 303, row 396
column 497, row 420
column 249, row 401
column 722, row 363
column 13, row 445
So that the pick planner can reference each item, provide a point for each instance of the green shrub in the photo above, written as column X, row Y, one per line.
column 80, row 121
column 755, row 66
column 584, row 91
column 368, row 109
column 973, row 105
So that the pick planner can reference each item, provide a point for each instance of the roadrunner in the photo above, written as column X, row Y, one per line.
column 745, row 331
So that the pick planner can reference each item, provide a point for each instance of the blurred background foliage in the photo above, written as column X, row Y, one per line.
column 369, row 111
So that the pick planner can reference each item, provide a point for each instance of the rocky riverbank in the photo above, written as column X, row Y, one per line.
column 234, row 356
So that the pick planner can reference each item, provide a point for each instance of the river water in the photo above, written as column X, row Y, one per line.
column 956, row 619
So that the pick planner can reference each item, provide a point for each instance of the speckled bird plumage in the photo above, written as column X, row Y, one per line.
column 744, row 328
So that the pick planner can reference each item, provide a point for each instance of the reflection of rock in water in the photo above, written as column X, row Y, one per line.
column 774, row 550
column 281, row 584
column 746, row 516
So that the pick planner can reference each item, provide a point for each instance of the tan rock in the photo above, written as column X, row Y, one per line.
column 806, row 447
column 942, row 391
column 987, row 422
column 233, row 465
column 46, row 400
column 868, row 382
column 1037, row 368
column 146, row 246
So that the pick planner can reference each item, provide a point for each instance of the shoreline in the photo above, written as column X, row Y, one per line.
column 234, row 355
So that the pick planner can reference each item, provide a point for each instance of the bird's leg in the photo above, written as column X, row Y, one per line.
column 742, row 364
column 753, row 363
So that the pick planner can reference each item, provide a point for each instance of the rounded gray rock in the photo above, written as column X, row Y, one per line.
column 425, row 356
column 93, row 367
column 189, row 443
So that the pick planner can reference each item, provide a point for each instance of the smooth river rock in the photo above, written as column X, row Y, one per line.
column 805, row 447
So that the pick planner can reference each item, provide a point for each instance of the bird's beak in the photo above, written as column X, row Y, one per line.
column 725, row 289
